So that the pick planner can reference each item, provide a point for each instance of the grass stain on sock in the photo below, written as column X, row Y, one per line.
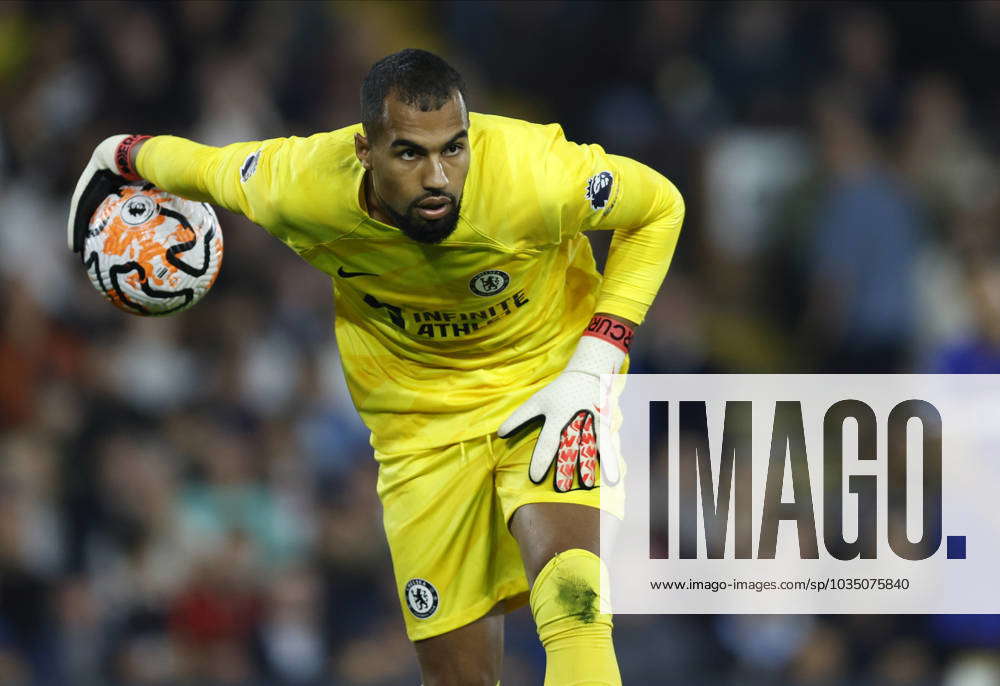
column 578, row 599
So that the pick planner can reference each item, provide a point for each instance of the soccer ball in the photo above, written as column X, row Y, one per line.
column 151, row 252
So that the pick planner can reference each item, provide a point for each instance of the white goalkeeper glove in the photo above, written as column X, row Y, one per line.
column 109, row 167
column 571, row 412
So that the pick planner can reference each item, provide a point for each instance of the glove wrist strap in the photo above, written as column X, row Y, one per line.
column 617, row 333
column 123, row 157
column 597, row 354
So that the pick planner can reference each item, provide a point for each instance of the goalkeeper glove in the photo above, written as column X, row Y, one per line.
column 109, row 167
column 570, row 409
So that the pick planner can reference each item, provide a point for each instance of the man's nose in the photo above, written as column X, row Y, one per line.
column 434, row 176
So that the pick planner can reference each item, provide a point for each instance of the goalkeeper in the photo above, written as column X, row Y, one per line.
column 473, row 327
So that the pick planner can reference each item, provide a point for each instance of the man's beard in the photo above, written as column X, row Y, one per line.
column 422, row 230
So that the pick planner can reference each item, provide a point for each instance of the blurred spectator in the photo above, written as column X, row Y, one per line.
column 979, row 353
column 292, row 630
column 214, row 618
column 861, row 253
column 864, row 60
column 824, row 660
column 763, row 645
column 905, row 662
column 972, row 669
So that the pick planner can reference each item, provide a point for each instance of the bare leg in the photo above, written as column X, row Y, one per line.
column 560, row 546
column 543, row 530
column 469, row 656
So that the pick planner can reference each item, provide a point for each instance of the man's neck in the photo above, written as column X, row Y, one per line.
column 370, row 202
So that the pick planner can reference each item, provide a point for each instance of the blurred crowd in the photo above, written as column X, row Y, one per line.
column 191, row 500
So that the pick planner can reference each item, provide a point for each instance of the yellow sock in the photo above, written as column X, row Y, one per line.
column 575, row 633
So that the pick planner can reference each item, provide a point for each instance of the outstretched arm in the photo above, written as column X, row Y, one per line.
column 178, row 166
column 242, row 177
column 233, row 176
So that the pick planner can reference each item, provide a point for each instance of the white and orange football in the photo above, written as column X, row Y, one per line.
column 151, row 252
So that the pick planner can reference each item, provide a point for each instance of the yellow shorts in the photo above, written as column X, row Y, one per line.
column 446, row 512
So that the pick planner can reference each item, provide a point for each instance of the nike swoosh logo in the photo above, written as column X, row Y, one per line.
column 351, row 275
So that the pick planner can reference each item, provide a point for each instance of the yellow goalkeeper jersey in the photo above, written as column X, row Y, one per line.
column 440, row 343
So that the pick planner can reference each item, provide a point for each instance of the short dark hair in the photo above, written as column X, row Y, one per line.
column 417, row 77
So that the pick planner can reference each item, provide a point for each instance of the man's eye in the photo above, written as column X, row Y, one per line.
column 453, row 149
column 408, row 155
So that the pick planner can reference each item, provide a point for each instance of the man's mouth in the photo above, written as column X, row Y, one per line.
column 434, row 208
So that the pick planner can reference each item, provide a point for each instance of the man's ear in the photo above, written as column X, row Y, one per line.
column 362, row 150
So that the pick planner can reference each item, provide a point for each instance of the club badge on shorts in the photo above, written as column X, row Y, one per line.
column 421, row 598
